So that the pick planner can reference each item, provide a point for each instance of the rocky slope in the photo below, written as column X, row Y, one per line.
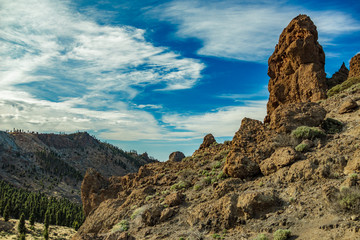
column 297, row 171
column 56, row 163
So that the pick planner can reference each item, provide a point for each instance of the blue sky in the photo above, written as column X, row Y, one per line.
column 150, row 75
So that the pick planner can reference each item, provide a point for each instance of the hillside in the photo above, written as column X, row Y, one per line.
column 293, row 176
column 56, row 163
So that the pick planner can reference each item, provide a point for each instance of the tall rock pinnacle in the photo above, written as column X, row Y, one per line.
column 296, row 68
column 355, row 66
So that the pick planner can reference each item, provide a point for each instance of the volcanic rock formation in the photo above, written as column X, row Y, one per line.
column 355, row 66
column 296, row 67
column 338, row 77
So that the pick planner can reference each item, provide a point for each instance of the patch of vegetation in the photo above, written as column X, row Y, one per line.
column 343, row 86
column 179, row 186
column 282, row 234
column 137, row 212
column 149, row 197
column 197, row 187
column 14, row 202
column 302, row 147
column 207, row 180
column 305, row 132
column 122, row 226
column 217, row 165
column 332, row 126
column 354, row 177
column 348, row 200
column 52, row 163
column 221, row 176
column 261, row 237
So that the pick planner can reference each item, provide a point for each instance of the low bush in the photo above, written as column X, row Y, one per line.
column 343, row 86
column 348, row 200
column 302, row 147
column 282, row 234
column 122, row 226
column 261, row 237
column 332, row 126
column 305, row 132
column 179, row 186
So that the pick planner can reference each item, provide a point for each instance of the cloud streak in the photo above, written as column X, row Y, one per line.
column 246, row 30
column 62, row 71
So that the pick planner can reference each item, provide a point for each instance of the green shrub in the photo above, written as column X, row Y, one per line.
column 122, row 226
column 302, row 147
column 348, row 200
column 261, row 237
column 343, row 86
column 197, row 187
column 149, row 197
column 305, row 132
column 217, row 165
column 332, row 126
column 282, row 234
column 354, row 177
column 222, row 175
column 207, row 180
column 179, row 186
column 137, row 212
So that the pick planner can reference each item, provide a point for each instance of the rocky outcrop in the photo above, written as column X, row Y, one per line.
column 176, row 156
column 92, row 188
column 208, row 141
column 355, row 66
column 338, row 77
column 296, row 67
column 280, row 158
column 250, row 145
column 288, row 117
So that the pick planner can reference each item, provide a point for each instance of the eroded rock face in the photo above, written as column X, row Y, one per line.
column 280, row 158
column 250, row 145
column 355, row 66
column 208, row 140
column 288, row 117
column 92, row 186
column 296, row 67
column 176, row 156
column 338, row 77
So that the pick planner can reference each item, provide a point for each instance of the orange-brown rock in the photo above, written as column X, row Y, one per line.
column 250, row 145
column 176, row 156
column 288, row 117
column 208, row 140
column 355, row 66
column 280, row 158
column 296, row 67
column 338, row 77
column 92, row 188
column 349, row 105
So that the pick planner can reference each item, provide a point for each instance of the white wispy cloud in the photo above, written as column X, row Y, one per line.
column 222, row 122
column 246, row 30
column 60, row 69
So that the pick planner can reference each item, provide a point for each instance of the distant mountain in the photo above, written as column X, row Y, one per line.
column 56, row 163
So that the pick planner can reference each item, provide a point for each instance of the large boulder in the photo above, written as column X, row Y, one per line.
column 239, row 166
column 280, row 158
column 176, row 156
column 208, row 141
column 355, row 66
column 288, row 117
column 296, row 67
column 251, row 144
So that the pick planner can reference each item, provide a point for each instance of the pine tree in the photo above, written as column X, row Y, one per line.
column 22, row 236
column 21, row 226
column 46, row 234
column 32, row 218
column 7, row 213
column 47, row 220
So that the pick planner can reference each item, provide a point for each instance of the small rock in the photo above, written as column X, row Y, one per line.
column 174, row 199
column 349, row 105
